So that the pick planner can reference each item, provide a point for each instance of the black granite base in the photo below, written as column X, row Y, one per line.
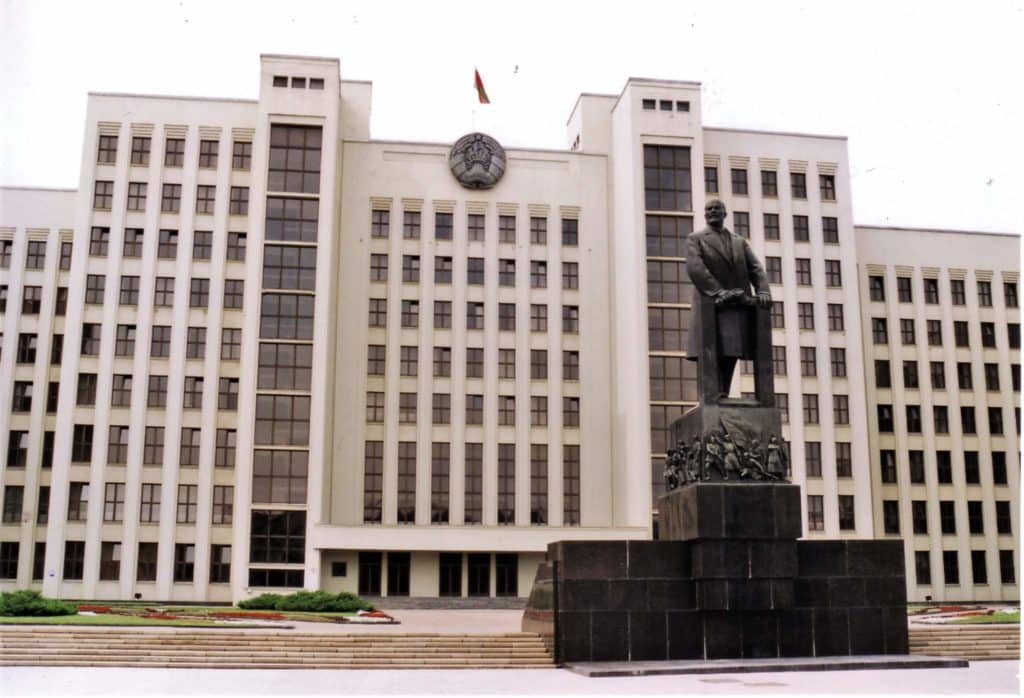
column 722, row 589
column 751, row 666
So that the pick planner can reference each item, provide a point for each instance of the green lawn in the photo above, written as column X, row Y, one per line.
column 1001, row 617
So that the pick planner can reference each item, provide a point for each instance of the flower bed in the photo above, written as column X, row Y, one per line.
column 94, row 608
column 262, row 615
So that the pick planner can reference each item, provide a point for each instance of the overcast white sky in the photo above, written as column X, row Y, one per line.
column 929, row 93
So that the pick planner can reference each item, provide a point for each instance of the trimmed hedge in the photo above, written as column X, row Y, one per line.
column 27, row 602
column 316, row 601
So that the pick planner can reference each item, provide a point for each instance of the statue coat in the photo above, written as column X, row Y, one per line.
column 723, row 261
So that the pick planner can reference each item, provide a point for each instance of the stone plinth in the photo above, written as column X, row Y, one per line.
column 732, row 581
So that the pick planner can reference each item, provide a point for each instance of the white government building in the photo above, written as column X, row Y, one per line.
column 258, row 349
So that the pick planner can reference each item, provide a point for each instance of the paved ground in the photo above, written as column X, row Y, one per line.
column 981, row 678
column 429, row 621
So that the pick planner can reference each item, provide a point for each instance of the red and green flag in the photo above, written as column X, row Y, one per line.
column 481, row 93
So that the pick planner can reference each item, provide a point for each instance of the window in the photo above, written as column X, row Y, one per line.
column 129, row 290
column 195, row 345
column 206, row 195
column 147, row 561
column 440, row 469
column 410, row 313
column 741, row 223
column 474, row 363
column 167, row 245
column 170, row 199
column 782, row 402
column 411, row 268
column 90, row 343
column 908, row 335
column 373, row 481
column 830, row 230
column 227, row 394
column 14, row 496
column 888, row 466
column 950, row 567
column 810, row 409
column 220, row 561
column 934, row 330
column 1010, row 294
column 960, row 334
column 241, row 157
column 32, row 299
column 107, row 152
column 292, row 220
column 910, row 376
column 798, row 185
column 474, row 316
column 66, row 251
column 801, row 229
column 441, row 408
column 876, row 288
column 475, row 271
column 940, row 416
column 193, row 395
column 474, row 409
column 184, row 562
column 442, row 225
column 231, row 343
column 507, row 229
column 769, row 183
column 409, row 363
column 95, row 285
column 223, row 504
column 35, row 255
column 998, row 468
column 379, row 223
column 710, row 180
column 507, row 316
column 189, row 452
column 74, row 559
column 847, row 520
column 199, row 293
column 378, row 312
column 914, row 419
column 224, row 453
column 287, row 316
column 570, row 232
column 833, row 273
column 841, row 409
column 236, row 250
column 667, row 178
column 121, row 391
column 406, row 503
column 803, row 272
column 988, row 335
column 779, row 367
column 238, row 202
column 570, row 365
column 153, row 448
column 812, row 458
column 442, row 269
column 475, row 227
column 931, row 291
column 957, row 293
column 815, row 512
column 110, row 559
column 838, row 360
column 904, row 289
column 805, row 315
column 808, row 361
column 778, row 315
column 174, row 152
column 187, row 503
column 975, row 520
column 885, row 418
column 133, row 243
column 923, row 567
column 78, row 501
column 506, row 410
column 891, row 516
column 967, row 420
column 208, row 153
column 1006, row 569
column 739, row 181
column 1012, row 335
column 570, row 319
column 507, row 363
column 985, row 294
column 113, row 498
column 771, row 226
column 919, row 516
column 827, row 185
column 506, row 272
column 442, row 314
column 407, row 408
column 995, row 421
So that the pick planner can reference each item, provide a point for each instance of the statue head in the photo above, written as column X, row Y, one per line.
column 714, row 213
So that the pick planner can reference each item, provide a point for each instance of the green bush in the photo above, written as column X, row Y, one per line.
column 27, row 602
column 263, row 602
column 315, row 601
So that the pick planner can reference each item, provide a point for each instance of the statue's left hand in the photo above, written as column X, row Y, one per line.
column 764, row 299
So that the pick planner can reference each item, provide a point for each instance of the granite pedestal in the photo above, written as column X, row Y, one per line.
column 728, row 580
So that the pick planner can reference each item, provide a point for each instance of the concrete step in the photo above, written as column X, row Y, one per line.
column 260, row 665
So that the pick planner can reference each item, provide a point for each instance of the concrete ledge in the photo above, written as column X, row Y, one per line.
column 751, row 666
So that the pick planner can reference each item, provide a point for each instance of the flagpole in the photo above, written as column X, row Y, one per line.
column 472, row 126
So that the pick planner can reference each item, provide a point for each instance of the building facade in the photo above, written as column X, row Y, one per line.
column 258, row 349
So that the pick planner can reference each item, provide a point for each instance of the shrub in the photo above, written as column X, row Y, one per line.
column 27, row 602
column 315, row 601
column 263, row 602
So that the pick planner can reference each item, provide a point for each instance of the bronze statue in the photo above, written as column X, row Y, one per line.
column 723, row 267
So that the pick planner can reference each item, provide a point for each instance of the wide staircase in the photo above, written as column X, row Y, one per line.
column 236, row 649
column 971, row 642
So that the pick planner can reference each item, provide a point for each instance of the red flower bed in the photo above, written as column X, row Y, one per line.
column 94, row 608
column 160, row 616
column 265, row 615
column 374, row 614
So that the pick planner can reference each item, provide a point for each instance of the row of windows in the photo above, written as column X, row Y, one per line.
column 174, row 152
column 35, row 254
column 163, row 291
column 167, row 244
column 665, row 105
column 378, row 316
column 441, row 409
column 957, row 291
column 111, row 561
column 442, row 362
column 937, row 375
column 951, row 567
column 943, row 467
column 117, row 446
column 443, row 267
column 947, row 517
column 816, row 512
column 185, row 511
column 802, row 270
column 738, row 178
column 380, row 227
column 940, row 414
column 124, row 343
column 372, row 565
column 298, row 82
column 170, row 198
column 933, row 331
column 156, row 396
column 373, row 480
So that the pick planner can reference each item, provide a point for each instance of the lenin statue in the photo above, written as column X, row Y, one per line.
column 723, row 269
